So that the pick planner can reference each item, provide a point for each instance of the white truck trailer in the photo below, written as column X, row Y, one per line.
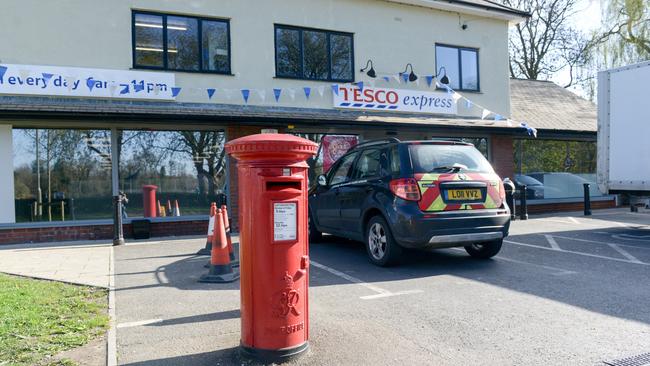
column 624, row 133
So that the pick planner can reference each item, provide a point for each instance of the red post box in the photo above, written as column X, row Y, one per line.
column 274, row 252
column 149, row 200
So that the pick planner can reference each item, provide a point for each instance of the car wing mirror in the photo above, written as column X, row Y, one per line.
column 322, row 181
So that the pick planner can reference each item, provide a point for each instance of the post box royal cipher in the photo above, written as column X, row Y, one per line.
column 274, row 252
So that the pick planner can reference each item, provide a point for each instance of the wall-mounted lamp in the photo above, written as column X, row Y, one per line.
column 412, row 76
column 445, row 79
column 371, row 73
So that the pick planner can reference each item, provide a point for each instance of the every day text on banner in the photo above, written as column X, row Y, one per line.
column 85, row 82
column 368, row 98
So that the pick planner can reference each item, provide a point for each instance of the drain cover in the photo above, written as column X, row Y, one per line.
column 639, row 360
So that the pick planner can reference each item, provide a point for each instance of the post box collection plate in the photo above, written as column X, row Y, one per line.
column 284, row 221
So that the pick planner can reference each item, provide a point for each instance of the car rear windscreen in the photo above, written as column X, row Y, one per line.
column 427, row 158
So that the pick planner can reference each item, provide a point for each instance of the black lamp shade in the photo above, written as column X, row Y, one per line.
column 371, row 73
column 412, row 76
column 444, row 80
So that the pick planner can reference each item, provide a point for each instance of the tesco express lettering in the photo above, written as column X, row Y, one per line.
column 352, row 97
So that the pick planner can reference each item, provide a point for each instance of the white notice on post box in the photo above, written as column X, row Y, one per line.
column 284, row 221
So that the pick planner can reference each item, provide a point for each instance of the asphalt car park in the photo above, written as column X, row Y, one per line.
column 564, row 290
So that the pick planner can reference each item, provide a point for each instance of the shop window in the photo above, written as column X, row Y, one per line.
column 460, row 65
column 188, row 167
column 553, row 169
column 312, row 54
column 66, row 174
column 62, row 174
column 180, row 43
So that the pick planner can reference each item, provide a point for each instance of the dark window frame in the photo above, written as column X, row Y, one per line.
column 328, row 34
column 460, row 66
column 165, row 67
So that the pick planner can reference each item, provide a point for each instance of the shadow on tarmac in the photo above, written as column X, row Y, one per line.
column 222, row 315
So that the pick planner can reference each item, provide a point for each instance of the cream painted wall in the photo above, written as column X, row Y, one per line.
column 7, row 207
column 97, row 33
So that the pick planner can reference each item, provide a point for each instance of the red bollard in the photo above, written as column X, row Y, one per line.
column 149, row 200
column 220, row 269
column 273, row 241
column 208, row 243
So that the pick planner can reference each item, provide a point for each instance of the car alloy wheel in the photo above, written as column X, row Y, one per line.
column 377, row 241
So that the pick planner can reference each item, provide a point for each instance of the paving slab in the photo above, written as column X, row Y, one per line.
column 84, row 263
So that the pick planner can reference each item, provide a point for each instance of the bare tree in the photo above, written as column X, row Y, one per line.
column 546, row 44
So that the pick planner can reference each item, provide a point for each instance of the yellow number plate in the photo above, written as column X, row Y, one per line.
column 464, row 195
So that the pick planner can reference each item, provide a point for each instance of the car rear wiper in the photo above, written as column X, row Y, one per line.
column 454, row 168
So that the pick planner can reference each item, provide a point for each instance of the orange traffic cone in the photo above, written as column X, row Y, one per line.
column 163, row 212
column 159, row 209
column 177, row 210
column 208, row 243
column 169, row 208
column 231, row 251
column 220, row 269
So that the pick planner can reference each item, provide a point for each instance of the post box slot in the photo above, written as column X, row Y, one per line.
column 278, row 186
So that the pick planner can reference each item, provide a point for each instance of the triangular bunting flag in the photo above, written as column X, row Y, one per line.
column 3, row 70
column 292, row 93
column 359, row 85
column 175, row 91
column 485, row 113
column 468, row 103
column 277, row 93
column 396, row 77
column 321, row 90
column 245, row 93
column 90, row 83
column 335, row 89
column 46, row 76
column 509, row 122
column 386, row 78
column 211, row 92
column 405, row 77
column 69, row 80
column 456, row 96
column 498, row 117
column 429, row 79
column 307, row 91
column 24, row 74
column 262, row 94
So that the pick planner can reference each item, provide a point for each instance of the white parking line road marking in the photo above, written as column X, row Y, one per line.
column 552, row 242
column 138, row 323
column 380, row 291
column 389, row 294
column 597, row 242
column 624, row 253
column 574, row 252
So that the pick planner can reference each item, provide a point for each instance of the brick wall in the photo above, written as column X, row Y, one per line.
column 97, row 232
column 502, row 157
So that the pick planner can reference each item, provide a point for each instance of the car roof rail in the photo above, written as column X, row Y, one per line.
column 387, row 140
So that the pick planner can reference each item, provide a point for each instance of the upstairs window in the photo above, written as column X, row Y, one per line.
column 180, row 43
column 460, row 65
column 312, row 54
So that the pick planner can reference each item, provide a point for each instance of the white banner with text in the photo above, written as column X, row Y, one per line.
column 85, row 82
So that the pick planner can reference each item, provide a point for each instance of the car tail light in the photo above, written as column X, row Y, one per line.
column 405, row 188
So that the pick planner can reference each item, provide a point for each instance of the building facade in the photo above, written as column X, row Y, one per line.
column 99, row 97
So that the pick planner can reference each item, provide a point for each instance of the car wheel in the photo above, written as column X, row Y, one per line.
column 484, row 250
column 380, row 244
column 314, row 234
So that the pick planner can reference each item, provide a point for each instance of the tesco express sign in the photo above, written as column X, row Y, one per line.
column 352, row 97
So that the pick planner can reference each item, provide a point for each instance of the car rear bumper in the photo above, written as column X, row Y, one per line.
column 449, row 229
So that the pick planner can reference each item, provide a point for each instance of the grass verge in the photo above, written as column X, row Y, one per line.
column 42, row 318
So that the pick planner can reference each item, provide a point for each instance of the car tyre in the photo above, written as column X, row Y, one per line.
column 381, row 246
column 314, row 234
column 484, row 250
